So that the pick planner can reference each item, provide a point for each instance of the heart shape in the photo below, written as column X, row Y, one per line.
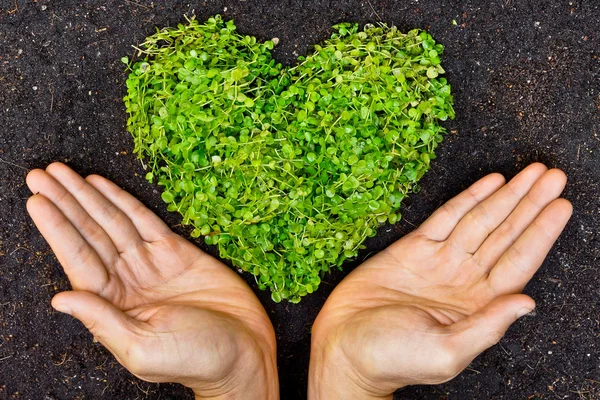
column 287, row 170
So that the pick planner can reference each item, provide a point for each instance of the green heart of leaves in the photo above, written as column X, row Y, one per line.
column 286, row 170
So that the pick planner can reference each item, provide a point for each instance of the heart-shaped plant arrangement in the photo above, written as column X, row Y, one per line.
column 286, row 170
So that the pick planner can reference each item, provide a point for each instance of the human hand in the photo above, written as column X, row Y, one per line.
column 165, row 309
column 421, row 310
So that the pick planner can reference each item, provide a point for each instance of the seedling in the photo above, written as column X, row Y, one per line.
column 287, row 170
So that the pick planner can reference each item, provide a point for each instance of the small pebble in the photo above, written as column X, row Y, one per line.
column 44, row 7
column 35, row 88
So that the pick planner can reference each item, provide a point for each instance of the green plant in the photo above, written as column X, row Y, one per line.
column 286, row 170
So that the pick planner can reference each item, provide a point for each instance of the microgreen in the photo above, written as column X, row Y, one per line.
column 286, row 170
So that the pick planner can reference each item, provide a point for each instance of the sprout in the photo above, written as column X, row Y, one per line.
column 287, row 170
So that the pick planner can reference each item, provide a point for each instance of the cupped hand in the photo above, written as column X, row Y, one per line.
column 165, row 309
column 420, row 311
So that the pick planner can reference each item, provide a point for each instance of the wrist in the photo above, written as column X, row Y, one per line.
column 254, row 378
column 332, row 376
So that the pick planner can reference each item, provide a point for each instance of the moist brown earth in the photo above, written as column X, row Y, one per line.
column 526, row 80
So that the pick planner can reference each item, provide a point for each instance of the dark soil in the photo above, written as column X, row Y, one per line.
column 526, row 79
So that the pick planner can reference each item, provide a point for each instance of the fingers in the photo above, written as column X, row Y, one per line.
column 444, row 220
column 546, row 189
column 41, row 182
column 486, row 327
column 114, row 222
column 482, row 220
column 520, row 262
column 149, row 225
column 80, row 262
column 109, row 325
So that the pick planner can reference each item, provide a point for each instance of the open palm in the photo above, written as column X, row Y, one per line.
column 421, row 310
column 165, row 309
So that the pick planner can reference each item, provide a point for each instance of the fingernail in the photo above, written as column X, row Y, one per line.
column 523, row 311
column 62, row 308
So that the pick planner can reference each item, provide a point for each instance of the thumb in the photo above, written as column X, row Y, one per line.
column 109, row 325
column 486, row 327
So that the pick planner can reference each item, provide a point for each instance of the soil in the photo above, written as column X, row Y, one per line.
column 526, row 80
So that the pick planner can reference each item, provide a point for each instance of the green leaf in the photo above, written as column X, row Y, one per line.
column 301, row 115
column 286, row 170
column 168, row 197
column 432, row 73
column 276, row 297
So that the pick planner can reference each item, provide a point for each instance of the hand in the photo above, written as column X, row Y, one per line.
column 166, row 310
column 420, row 311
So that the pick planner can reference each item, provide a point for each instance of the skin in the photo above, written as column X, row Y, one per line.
column 417, row 313
column 167, row 311
column 420, row 311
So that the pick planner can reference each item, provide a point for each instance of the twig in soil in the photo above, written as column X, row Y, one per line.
column 536, row 365
column 96, row 42
column 373, row 8
column 578, row 151
column 14, row 10
column 137, row 4
column 54, row 16
column 506, row 351
column 369, row 255
column 596, row 135
column 101, row 367
column 51, row 89
column 474, row 370
column 20, row 248
column 13, row 164
column 146, row 392
column 410, row 223
column 64, row 360
column 5, row 358
column 586, row 393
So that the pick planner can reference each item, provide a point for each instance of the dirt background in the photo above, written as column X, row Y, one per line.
column 526, row 80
